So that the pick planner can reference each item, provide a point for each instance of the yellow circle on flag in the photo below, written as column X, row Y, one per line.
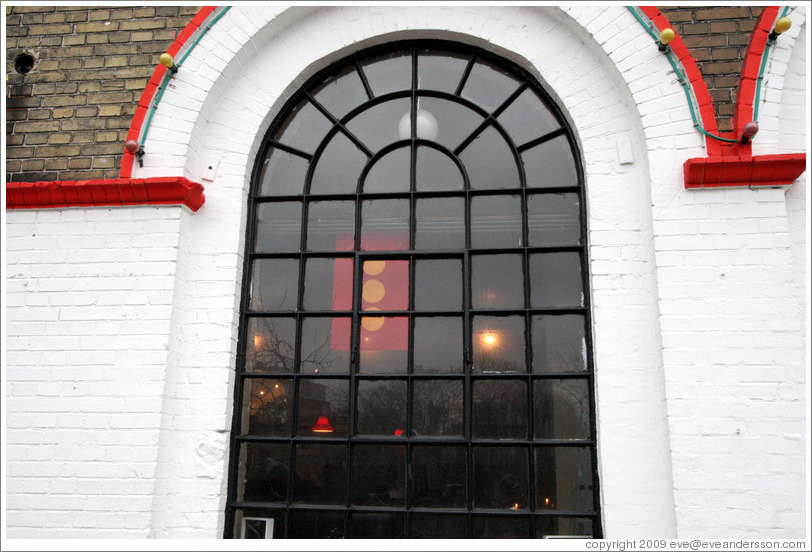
column 374, row 267
column 373, row 291
column 372, row 324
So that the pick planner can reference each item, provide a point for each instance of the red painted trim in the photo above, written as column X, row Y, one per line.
column 745, row 97
column 152, row 87
column 165, row 190
column 732, row 171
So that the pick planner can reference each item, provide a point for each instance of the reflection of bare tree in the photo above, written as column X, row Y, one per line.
column 490, row 363
column 381, row 407
column 272, row 352
column 437, row 408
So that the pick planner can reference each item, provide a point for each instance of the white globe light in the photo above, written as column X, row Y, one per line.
column 427, row 128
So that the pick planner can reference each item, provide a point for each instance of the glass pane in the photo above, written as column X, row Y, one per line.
column 379, row 475
column 496, row 282
column 496, row 222
column 527, row 118
column 385, row 224
column 489, row 85
column 381, row 407
column 269, row 411
column 385, row 285
column 561, row 408
column 555, row 280
column 455, row 122
column 330, row 225
column 440, row 70
column 282, row 173
column 304, row 129
column 438, row 285
column 500, row 478
column 489, row 162
column 259, row 523
column 559, row 343
column 434, row 526
column 321, row 474
column 390, row 173
column 325, row 346
column 501, row 527
column 389, row 72
column 438, row 345
column 435, row 171
column 338, row 168
column 323, row 407
column 274, row 284
column 500, row 409
column 341, row 92
column 278, row 227
column 564, row 478
column 376, row 525
column 439, row 477
column 498, row 344
column 379, row 125
column 550, row 164
column 316, row 525
column 554, row 219
column 328, row 284
column 563, row 526
column 263, row 472
column 440, row 223
column 383, row 344
column 437, row 408
column 270, row 345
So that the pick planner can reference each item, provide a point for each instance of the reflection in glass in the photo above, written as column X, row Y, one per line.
column 555, row 525
column 274, row 284
column 389, row 72
column 489, row 85
column 435, row 171
column 500, row 477
column 268, row 406
column 437, row 526
column 379, row 475
column 385, row 285
column 251, row 523
column 381, row 407
column 561, row 408
column 376, row 525
column 278, row 227
column 496, row 222
column 440, row 70
column 501, row 527
column 304, row 128
column 438, row 285
column 555, row 280
column 455, row 122
column 377, row 126
column 496, row 281
column 489, row 162
column 321, row 473
column 550, row 164
column 553, row 219
column 323, row 398
column 390, row 173
column 564, row 478
column 527, row 118
column 338, row 168
column 559, row 343
column 437, row 408
column 328, row 284
column 383, row 342
column 316, row 524
column 264, row 473
column 385, row 224
column 282, row 173
column 440, row 223
column 498, row 344
column 330, row 225
column 438, row 345
column 325, row 345
column 439, row 476
column 500, row 409
column 341, row 92
column 270, row 345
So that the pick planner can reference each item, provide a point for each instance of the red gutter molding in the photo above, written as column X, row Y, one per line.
column 165, row 190
column 733, row 164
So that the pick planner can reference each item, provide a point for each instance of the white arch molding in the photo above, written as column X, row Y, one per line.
column 597, row 63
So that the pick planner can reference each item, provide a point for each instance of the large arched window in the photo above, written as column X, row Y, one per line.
column 415, row 359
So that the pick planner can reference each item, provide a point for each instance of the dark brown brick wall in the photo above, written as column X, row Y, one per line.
column 67, row 119
column 717, row 37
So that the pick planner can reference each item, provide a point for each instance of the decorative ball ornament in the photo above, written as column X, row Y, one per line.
column 427, row 128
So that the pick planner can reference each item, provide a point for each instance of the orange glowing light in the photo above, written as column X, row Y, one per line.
column 489, row 338
column 258, row 341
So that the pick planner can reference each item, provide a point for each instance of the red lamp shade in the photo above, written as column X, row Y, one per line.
column 398, row 432
column 322, row 425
